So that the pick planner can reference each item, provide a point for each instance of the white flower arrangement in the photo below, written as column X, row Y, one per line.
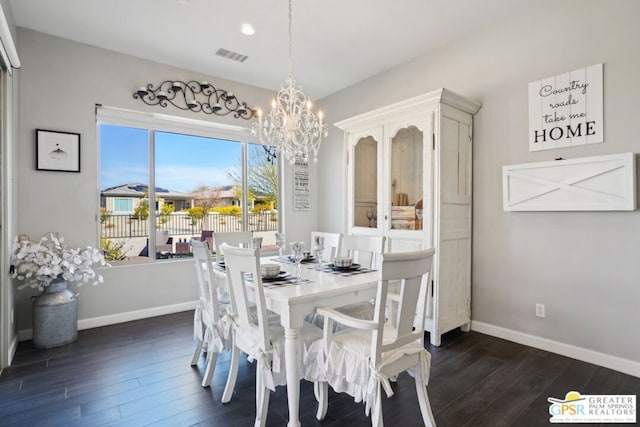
column 39, row 263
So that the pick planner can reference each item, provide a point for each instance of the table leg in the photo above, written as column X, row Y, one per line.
column 292, row 355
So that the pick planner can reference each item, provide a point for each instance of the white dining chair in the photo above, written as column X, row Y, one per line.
column 258, row 335
column 362, row 359
column 331, row 244
column 208, row 329
column 233, row 238
column 364, row 250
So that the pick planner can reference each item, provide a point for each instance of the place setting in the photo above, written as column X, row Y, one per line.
column 343, row 266
column 272, row 276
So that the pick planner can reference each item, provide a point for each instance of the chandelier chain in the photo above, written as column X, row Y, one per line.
column 290, row 40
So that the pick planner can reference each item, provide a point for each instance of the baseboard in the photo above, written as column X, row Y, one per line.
column 590, row 356
column 112, row 319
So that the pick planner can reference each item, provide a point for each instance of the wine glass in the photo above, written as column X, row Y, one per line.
column 296, row 254
column 419, row 216
column 375, row 218
column 318, row 248
column 256, row 242
column 369, row 217
column 280, row 242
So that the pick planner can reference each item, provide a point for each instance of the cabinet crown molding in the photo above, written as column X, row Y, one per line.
column 408, row 106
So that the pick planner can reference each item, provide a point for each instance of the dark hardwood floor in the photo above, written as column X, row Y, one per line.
column 138, row 374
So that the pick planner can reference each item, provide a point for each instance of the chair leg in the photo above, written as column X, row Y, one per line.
column 196, row 353
column 376, row 411
column 320, row 389
column 211, row 367
column 262, row 397
column 233, row 375
column 423, row 399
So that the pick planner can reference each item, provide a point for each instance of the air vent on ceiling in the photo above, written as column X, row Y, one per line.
column 234, row 56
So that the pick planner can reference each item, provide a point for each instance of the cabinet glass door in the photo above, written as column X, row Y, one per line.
column 406, row 179
column 365, row 180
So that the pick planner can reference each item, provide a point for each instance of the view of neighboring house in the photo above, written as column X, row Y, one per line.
column 125, row 198
column 227, row 195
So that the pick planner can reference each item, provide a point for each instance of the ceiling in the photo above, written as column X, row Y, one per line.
column 336, row 43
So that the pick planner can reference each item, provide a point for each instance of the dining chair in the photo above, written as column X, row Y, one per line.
column 331, row 244
column 233, row 238
column 208, row 329
column 207, row 236
column 258, row 335
column 364, row 250
column 362, row 359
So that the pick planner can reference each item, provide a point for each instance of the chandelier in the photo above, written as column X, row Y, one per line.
column 291, row 127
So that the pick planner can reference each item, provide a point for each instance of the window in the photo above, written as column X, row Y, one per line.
column 122, row 205
column 193, row 173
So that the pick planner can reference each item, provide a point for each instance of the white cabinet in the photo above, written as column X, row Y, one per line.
column 408, row 169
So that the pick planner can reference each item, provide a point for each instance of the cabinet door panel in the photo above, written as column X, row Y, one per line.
column 365, row 188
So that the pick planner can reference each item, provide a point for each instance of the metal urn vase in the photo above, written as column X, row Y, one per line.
column 55, row 316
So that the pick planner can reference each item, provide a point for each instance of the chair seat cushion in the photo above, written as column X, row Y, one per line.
column 311, row 355
column 349, row 367
column 360, row 310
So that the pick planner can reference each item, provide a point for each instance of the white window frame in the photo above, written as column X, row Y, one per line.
column 156, row 122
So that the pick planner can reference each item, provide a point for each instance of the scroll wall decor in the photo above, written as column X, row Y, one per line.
column 195, row 96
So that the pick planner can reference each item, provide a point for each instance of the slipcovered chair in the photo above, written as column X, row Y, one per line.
column 208, row 321
column 366, row 251
column 362, row 359
column 260, row 336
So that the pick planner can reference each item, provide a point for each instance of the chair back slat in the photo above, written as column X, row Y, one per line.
column 410, row 270
column 364, row 250
column 234, row 238
column 205, row 275
column 239, row 262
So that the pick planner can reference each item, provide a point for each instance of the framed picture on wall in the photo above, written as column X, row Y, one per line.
column 57, row 151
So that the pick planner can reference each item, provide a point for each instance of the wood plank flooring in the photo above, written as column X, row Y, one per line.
column 138, row 374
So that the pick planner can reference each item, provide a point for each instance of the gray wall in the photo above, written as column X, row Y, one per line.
column 582, row 265
column 61, row 81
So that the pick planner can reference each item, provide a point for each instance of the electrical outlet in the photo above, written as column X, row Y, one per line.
column 540, row 310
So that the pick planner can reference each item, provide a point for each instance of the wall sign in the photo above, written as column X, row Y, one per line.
column 301, row 190
column 566, row 110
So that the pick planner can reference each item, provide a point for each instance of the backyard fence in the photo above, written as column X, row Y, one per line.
column 115, row 226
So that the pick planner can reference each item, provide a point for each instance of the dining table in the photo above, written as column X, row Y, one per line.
column 320, row 286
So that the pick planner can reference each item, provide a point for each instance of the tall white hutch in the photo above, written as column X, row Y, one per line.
column 409, row 179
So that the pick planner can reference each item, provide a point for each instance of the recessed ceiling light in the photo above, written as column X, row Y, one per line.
column 247, row 29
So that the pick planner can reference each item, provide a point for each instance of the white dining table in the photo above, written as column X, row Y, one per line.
column 294, row 301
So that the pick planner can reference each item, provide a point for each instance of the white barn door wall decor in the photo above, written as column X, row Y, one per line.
column 600, row 183
column 566, row 110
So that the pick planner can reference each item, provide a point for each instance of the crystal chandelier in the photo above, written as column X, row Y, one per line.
column 291, row 127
